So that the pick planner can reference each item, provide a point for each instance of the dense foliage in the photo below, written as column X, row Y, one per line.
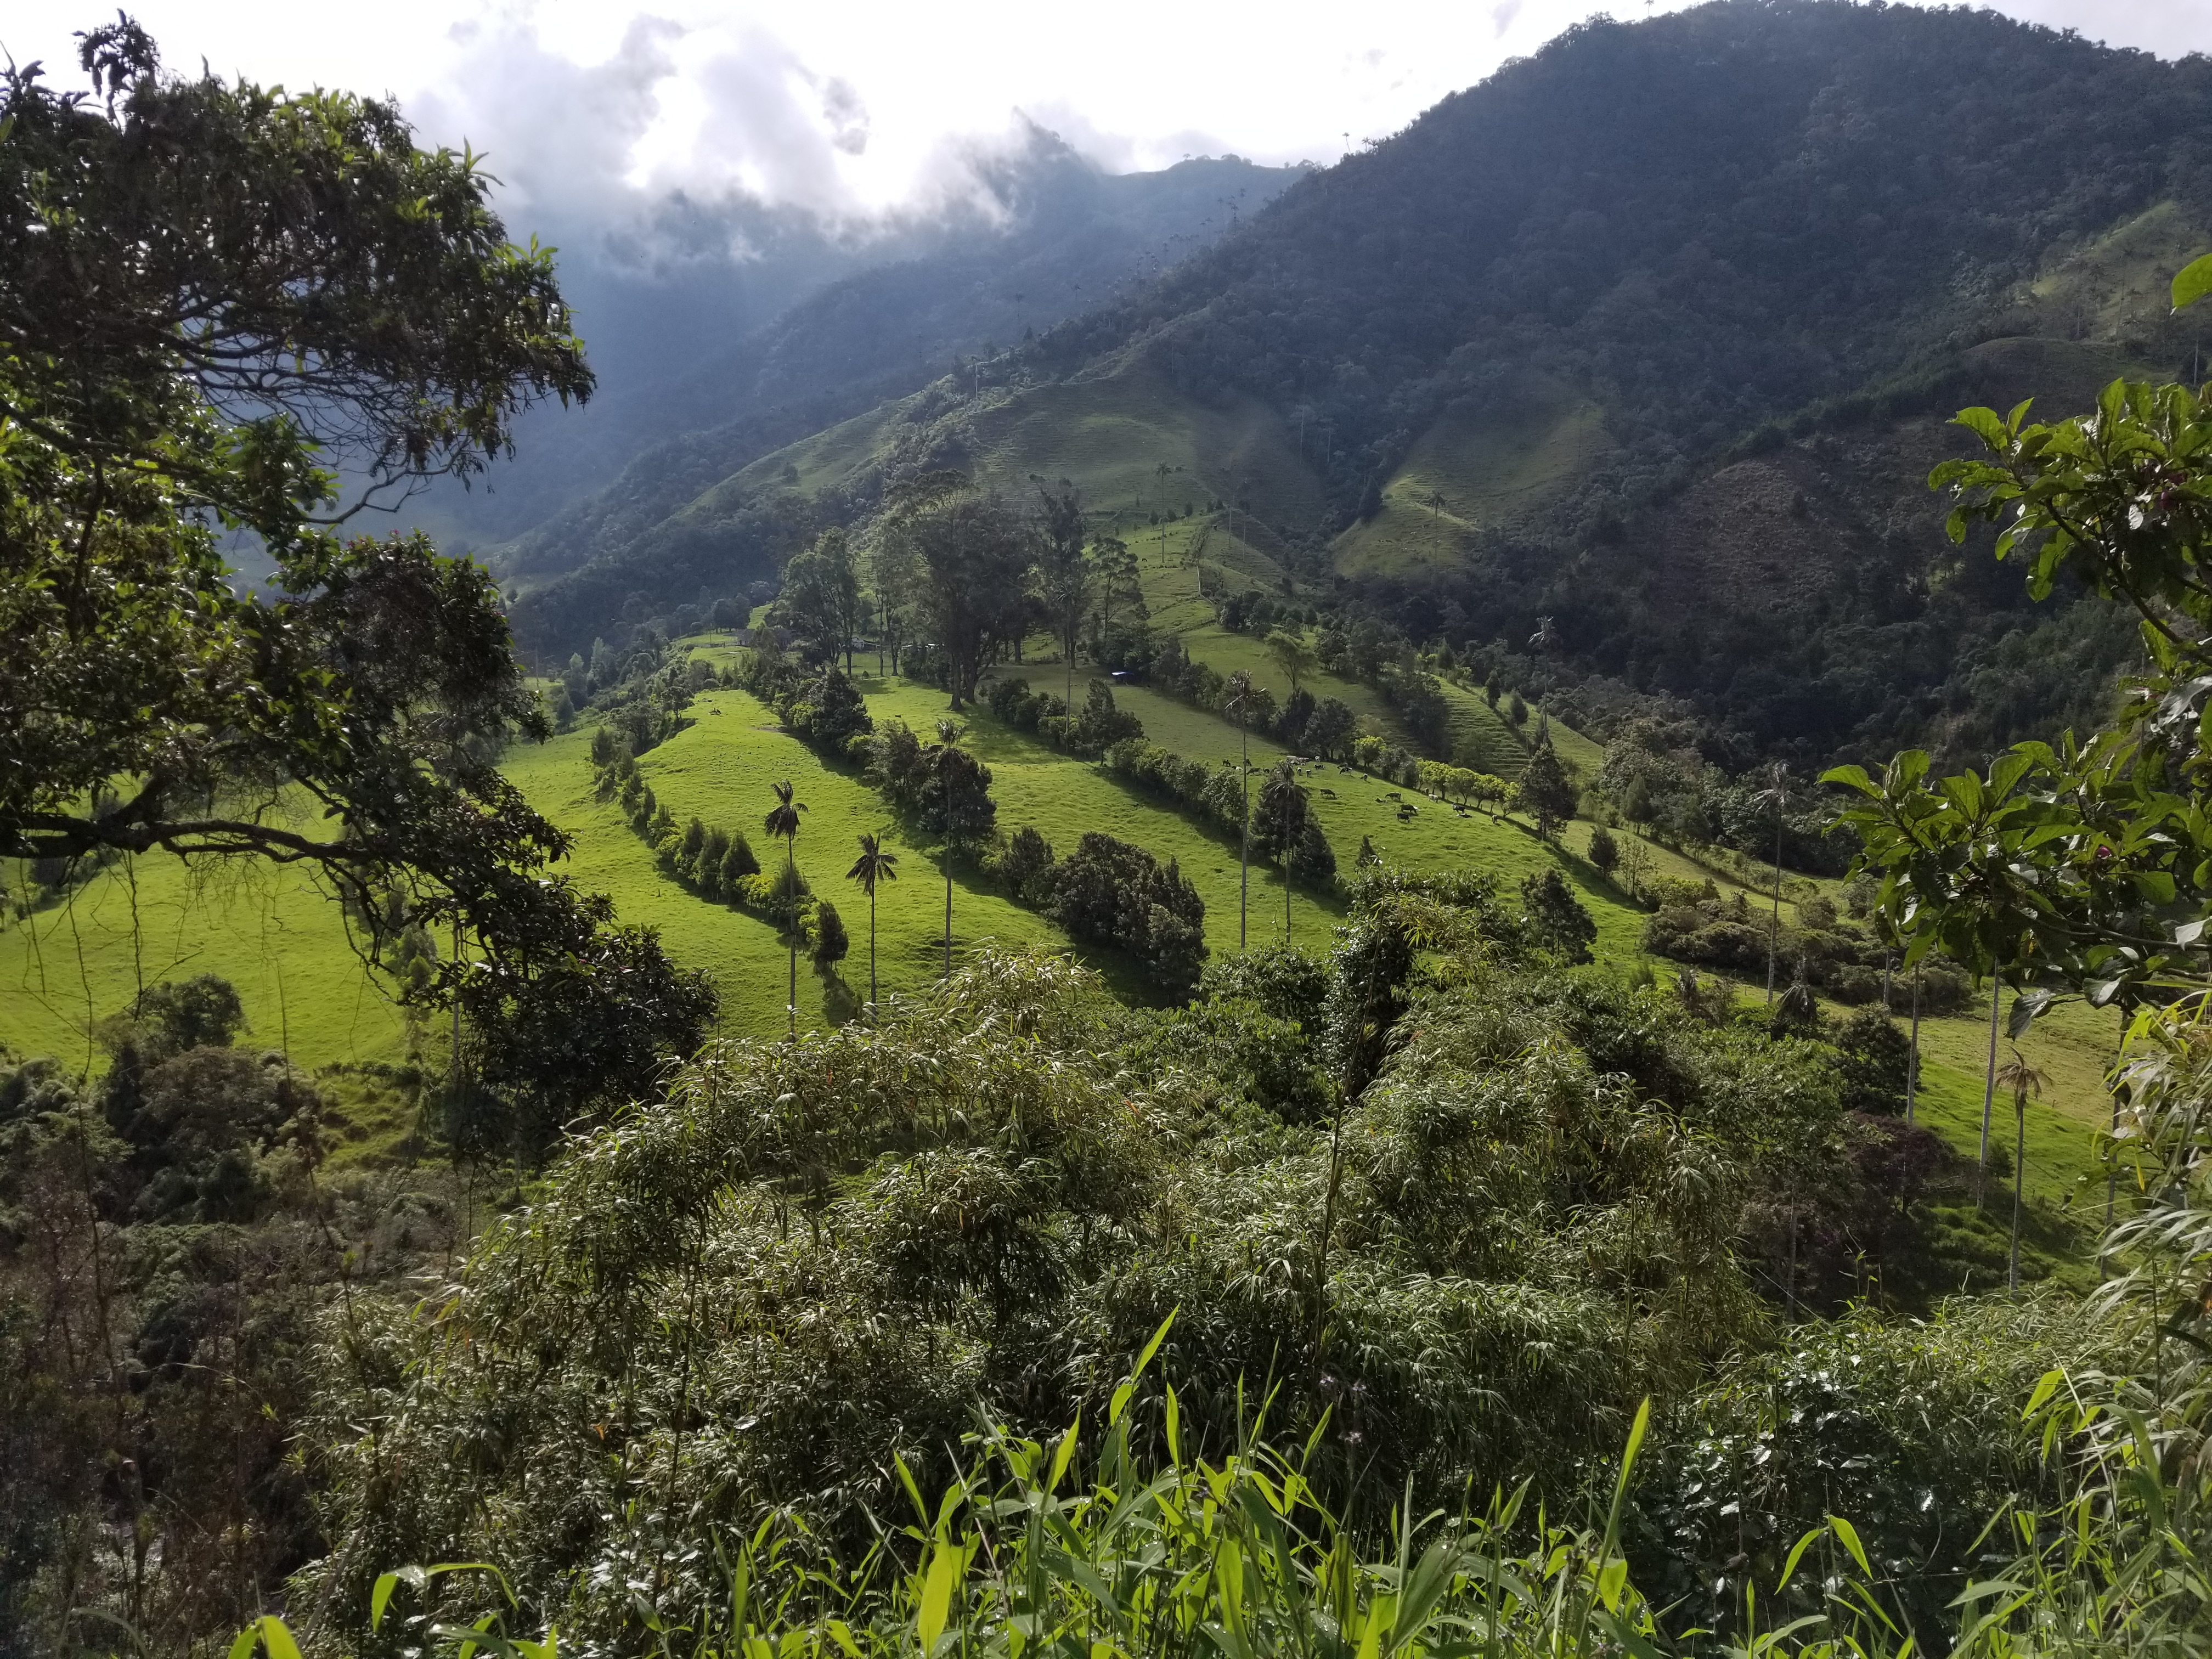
column 1112, row 892
column 210, row 296
column 170, row 1240
column 1091, row 731
column 1548, row 1203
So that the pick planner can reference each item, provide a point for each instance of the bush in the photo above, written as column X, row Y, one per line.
column 1025, row 863
column 830, row 941
column 1604, row 850
column 1556, row 917
column 1875, row 1054
column 1090, row 733
column 1114, row 893
column 1694, row 925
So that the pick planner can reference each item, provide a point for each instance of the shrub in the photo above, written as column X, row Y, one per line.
column 1313, row 860
column 1875, row 1056
column 1025, row 862
column 738, row 862
column 1604, row 851
column 1112, row 892
column 1694, row 923
column 1556, row 916
column 830, row 941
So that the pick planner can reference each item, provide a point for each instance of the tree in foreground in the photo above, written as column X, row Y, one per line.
column 873, row 867
column 210, row 295
column 2083, row 868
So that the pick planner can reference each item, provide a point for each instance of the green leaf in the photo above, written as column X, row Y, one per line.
column 1849, row 1533
column 2194, row 282
column 2045, row 1385
column 1153, row 1346
column 267, row 1631
column 944, row 1565
column 1797, row 1554
column 1983, row 424
column 380, row 1597
column 1065, row 1454
column 1851, row 777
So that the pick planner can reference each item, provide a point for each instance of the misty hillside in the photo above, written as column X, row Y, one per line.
column 1651, row 332
column 1049, row 235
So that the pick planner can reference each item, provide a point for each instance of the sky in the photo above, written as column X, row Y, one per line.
column 591, row 110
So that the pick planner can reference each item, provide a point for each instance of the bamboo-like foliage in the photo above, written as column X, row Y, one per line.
column 1041, row 1546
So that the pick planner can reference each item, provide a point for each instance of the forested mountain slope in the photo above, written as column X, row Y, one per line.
column 1053, row 236
column 1653, row 333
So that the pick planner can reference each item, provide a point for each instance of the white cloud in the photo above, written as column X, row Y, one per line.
column 594, row 111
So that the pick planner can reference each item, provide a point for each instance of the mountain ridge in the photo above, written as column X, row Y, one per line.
column 1563, row 303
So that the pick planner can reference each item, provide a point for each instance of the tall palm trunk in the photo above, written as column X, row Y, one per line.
column 1912, row 1053
column 948, row 912
column 1989, row 1094
column 872, row 950
column 2019, row 1183
column 791, row 932
column 1774, row 921
column 1243, row 831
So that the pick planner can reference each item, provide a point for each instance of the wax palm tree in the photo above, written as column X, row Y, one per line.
column 948, row 735
column 782, row 821
column 1774, row 797
column 2023, row 1079
column 874, row 865
column 1239, row 688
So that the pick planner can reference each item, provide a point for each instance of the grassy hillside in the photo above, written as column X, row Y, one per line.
column 1496, row 472
column 271, row 931
column 282, row 943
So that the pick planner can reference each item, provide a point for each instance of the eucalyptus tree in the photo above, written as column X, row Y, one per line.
column 894, row 582
column 783, row 822
column 1065, row 572
column 822, row 602
column 973, row 554
column 874, row 865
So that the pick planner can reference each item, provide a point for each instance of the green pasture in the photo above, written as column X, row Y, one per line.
column 1472, row 475
column 277, row 935
column 283, row 944
column 720, row 769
